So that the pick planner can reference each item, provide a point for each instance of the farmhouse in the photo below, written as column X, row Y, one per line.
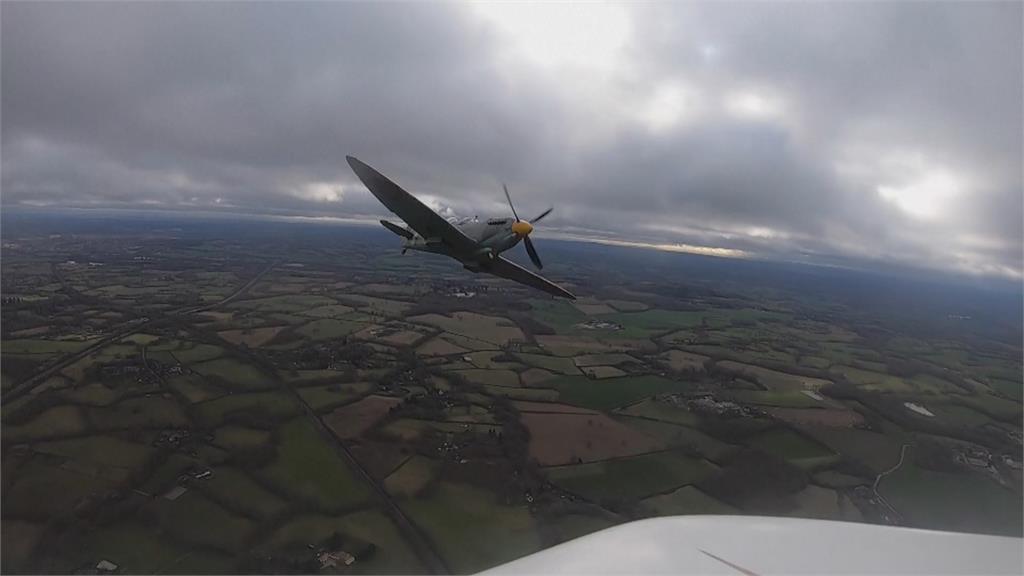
column 334, row 559
column 596, row 324
column 918, row 409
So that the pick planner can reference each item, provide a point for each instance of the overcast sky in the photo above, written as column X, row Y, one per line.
column 828, row 132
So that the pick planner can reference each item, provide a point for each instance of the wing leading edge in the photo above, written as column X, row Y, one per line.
column 417, row 215
column 512, row 271
column 734, row 545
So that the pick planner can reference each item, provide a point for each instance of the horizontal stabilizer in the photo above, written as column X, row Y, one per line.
column 397, row 229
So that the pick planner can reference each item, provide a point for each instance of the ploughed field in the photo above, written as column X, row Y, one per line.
column 186, row 413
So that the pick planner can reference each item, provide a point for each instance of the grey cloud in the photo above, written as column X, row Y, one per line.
column 252, row 107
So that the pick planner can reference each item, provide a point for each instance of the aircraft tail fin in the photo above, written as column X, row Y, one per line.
column 397, row 229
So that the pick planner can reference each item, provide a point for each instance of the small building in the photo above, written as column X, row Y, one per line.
column 918, row 409
column 334, row 559
column 977, row 457
column 175, row 492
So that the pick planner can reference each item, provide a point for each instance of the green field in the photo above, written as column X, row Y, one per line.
column 238, row 492
column 635, row 477
column 289, row 303
column 492, row 329
column 393, row 555
column 833, row 479
column 817, row 502
column 538, row 394
column 612, row 392
column 166, row 475
column 197, row 353
column 557, row 314
column 193, row 388
column 1009, row 388
column 965, row 502
column 957, row 415
column 103, row 451
column 932, row 385
column 333, row 395
column 876, row 451
column 301, row 377
column 815, row 362
column 683, row 437
column 554, row 364
column 686, row 500
column 486, row 359
column 482, row 377
column 234, row 373
column 139, row 413
column 652, row 322
column 870, row 380
column 240, row 437
column 140, row 338
column 409, row 429
column 785, row 399
column 535, row 376
column 411, row 477
column 195, row 519
column 374, row 305
column 275, row 404
column 309, row 468
column 994, row 406
column 470, row 529
column 571, row 526
column 329, row 311
column 44, row 492
column 136, row 548
column 44, row 347
column 772, row 379
column 328, row 329
column 51, row 423
column 611, row 359
column 792, row 446
column 656, row 410
column 627, row 305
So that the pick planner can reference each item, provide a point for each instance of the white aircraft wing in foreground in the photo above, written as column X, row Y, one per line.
column 764, row 545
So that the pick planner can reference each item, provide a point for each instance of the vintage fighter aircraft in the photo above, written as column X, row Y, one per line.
column 476, row 244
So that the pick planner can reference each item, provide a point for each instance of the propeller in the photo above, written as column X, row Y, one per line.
column 522, row 228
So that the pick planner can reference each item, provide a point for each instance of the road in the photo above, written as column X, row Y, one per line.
column 424, row 550
column 125, row 329
column 42, row 375
column 419, row 542
column 874, row 487
column 231, row 297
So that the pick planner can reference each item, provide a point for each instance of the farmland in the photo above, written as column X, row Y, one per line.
column 226, row 404
column 569, row 438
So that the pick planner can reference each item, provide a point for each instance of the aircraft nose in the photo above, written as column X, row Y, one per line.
column 522, row 228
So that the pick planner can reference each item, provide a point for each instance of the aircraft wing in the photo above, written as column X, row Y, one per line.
column 508, row 269
column 762, row 545
column 427, row 223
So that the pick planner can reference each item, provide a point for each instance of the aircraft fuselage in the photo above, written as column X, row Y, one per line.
column 493, row 235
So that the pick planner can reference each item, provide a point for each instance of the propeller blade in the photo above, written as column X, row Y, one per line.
column 542, row 215
column 532, row 252
column 509, row 198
